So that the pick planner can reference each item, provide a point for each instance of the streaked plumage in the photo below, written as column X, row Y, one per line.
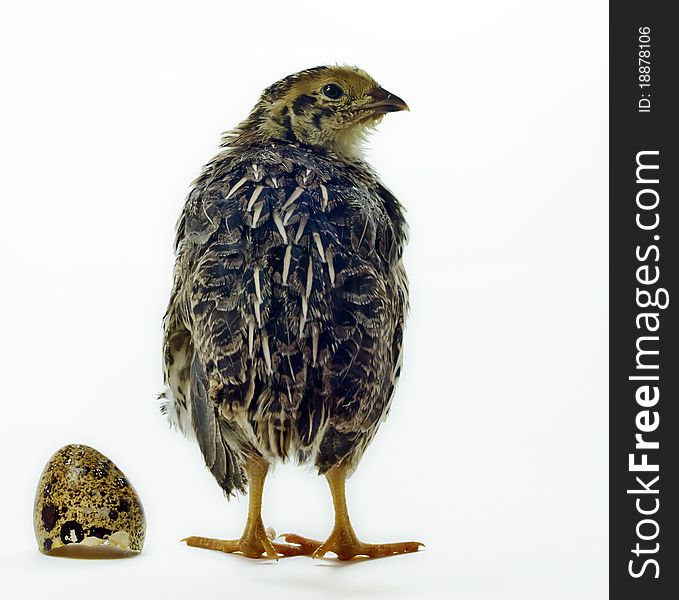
column 283, row 334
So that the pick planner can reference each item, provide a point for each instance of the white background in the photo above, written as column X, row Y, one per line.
column 495, row 452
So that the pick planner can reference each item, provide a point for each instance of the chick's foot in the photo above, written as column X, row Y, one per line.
column 346, row 546
column 254, row 544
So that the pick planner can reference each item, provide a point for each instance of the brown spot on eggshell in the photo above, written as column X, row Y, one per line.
column 49, row 514
column 85, row 504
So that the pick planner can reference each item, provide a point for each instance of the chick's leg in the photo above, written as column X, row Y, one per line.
column 254, row 542
column 343, row 540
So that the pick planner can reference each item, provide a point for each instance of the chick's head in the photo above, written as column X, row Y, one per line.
column 331, row 108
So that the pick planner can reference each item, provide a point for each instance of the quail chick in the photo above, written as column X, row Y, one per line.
column 283, row 334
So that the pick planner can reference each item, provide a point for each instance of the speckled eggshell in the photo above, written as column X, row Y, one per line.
column 84, row 499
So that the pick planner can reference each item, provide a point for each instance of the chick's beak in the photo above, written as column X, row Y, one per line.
column 384, row 102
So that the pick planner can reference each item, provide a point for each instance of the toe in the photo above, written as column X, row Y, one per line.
column 382, row 550
column 297, row 545
column 212, row 544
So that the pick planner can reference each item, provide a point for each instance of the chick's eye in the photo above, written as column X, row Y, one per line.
column 332, row 91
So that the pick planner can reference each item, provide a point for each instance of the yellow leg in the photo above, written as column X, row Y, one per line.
column 254, row 542
column 343, row 540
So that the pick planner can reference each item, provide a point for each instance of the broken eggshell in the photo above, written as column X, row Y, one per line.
column 85, row 506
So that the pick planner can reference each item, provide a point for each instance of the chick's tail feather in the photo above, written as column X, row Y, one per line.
column 212, row 434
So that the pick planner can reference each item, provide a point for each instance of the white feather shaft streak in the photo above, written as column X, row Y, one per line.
column 319, row 245
column 331, row 264
column 266, row 351
column 251, row 335
column 258, row 314
column 255, row 216
column 302, row 320
column 288, row 215
column 258, row 287
column 300, row 228
column 324, row 195
column 295, row 194
column 281, row 228
column 235, row 188
column 309, row 277
column 314, row 344
column 286, row 264
column 255, row 195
